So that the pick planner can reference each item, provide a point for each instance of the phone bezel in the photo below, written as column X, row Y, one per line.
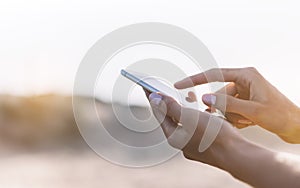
column 138, row 81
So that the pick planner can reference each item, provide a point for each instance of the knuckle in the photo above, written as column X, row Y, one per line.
column 194, row 78
column 251, row 69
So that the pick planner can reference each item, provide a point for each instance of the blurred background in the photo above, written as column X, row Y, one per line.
column 43, row 42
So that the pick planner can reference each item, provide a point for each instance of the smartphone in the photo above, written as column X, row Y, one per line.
column 154, row 84
column 137, row 79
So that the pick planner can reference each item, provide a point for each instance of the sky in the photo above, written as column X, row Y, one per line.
column 43, row 42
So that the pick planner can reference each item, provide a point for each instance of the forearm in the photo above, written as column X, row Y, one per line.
column 261, row 167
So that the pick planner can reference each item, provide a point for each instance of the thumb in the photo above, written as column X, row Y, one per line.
column 227, row 103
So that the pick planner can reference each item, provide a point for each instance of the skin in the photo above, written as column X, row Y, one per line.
column 246, row 161
column 250, row 100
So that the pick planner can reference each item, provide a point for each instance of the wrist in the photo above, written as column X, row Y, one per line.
column 292, row 129
column 242, row 159
column 226, row 151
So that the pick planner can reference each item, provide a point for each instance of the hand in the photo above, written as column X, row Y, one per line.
column 244, row 160
column 250, row 100
column 185, row 127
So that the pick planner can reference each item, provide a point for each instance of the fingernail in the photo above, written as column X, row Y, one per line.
column 244, row 121
column 155, row 98
column 209, row 99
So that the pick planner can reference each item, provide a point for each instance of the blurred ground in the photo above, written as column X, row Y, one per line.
column 40, row 146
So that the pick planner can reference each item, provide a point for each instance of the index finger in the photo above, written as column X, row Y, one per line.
column 212, row 75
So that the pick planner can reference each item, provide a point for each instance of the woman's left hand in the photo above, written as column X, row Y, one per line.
column 184, row 129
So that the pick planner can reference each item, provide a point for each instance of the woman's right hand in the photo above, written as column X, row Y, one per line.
column 250, row 100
